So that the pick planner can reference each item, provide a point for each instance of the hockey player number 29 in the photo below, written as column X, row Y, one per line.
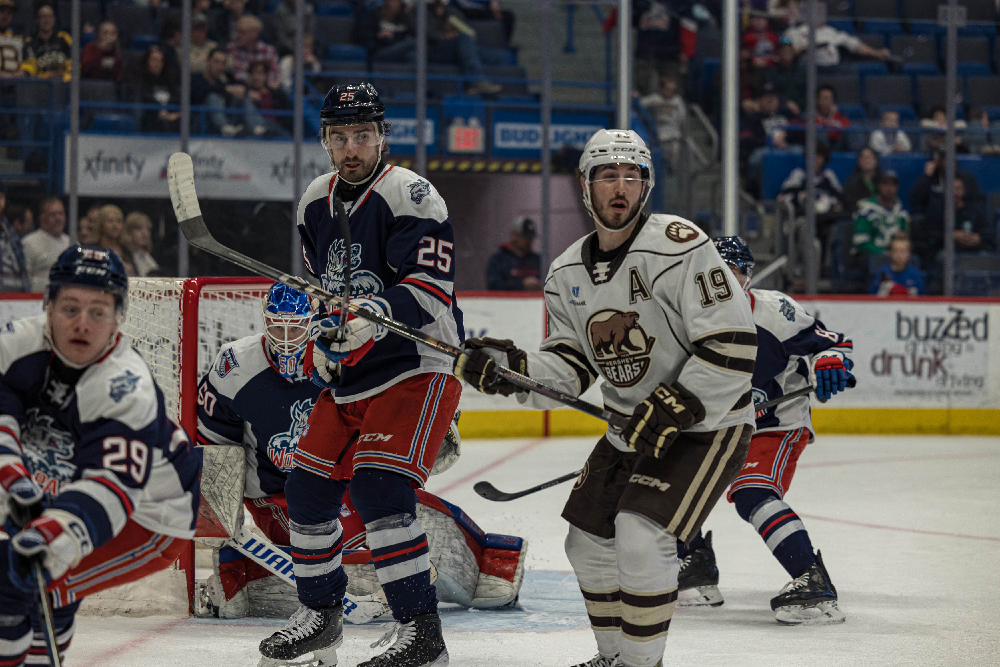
column 116, row 460
column 717, row 278
column 427, row 257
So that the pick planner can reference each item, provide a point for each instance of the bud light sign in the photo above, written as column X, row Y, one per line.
column 520, row 134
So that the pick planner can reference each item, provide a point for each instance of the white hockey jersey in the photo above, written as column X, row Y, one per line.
column 661, row 308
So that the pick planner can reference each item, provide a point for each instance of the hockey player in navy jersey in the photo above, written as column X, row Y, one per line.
column 389, row 402
column 257, row 396
column 96, row 482
column 793, row 350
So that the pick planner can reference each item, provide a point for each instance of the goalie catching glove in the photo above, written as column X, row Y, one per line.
column 658, row 420
column 479, row 360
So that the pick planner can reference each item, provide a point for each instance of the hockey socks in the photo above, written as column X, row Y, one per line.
column 15, row 639
column 779, row 526
column 316, row 537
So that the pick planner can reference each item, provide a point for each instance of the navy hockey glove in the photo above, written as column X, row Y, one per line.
column 658, row 420
column 24, row 498
column 479, row 360
column 319, row 368
column 831, row 375
column 58, row 539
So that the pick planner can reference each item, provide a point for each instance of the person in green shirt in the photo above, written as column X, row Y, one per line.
column 878, row 218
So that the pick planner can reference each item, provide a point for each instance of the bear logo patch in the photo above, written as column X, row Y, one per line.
column 681, row 233
column 621, row 346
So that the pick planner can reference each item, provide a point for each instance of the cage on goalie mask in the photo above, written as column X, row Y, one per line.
column 734, row 251
column 616, row 147
column 287, row 313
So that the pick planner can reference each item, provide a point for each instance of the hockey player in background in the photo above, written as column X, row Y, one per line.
column 646, row 303
column 96, row 483
column 388, row 402
column 258, row 397
column 793, row 350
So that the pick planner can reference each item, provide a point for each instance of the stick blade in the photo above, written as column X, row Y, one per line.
column 180, row 182
column 490, row 492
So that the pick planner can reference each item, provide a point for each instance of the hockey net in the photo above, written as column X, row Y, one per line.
column 178, row 327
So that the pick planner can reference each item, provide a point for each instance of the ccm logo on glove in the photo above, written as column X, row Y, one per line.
column 658, row 420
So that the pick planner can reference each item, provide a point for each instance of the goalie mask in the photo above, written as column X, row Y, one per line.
column 616, row 147
column 287, row 313
column 734, row 251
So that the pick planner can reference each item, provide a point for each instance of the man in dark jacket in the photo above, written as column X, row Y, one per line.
column 388, row 33
column 971, row 230
column 928, row 190
column 514, row 267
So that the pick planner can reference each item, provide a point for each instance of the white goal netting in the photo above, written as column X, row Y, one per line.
column 178, row 327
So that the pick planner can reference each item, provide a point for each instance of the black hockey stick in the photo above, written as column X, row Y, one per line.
column 345, row 231
column 48, row 627
column 180, row 181
column 490, row 492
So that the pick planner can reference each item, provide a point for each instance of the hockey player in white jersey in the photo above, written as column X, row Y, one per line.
column 97, row 484
column 646, row 303
column 793, row 350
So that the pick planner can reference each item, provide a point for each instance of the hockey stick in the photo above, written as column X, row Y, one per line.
column 490, row 492
column 48, row 627
column 345, row 232
column 180, row 180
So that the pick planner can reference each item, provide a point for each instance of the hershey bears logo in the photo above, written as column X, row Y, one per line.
column 48, row 451
column 621, row 347
column 418, row 191
column 281, row 446
column 681, row 233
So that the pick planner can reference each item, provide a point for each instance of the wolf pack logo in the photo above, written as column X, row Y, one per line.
column 418, row 191
column 227, row 363
column 679, row 232
column 48, row 450
column 786, row 308
column 621, row 347
column 123, row 385
column 363, row 283
column 281, row 446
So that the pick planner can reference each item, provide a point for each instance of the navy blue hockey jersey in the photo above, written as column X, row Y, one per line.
column 243, row 400
column 788, row 338
column 97, row 440
column 402, row 259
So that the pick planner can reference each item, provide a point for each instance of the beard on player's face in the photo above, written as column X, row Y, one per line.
column 616, row 210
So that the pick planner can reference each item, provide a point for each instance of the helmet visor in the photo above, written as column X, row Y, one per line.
column 338, row 138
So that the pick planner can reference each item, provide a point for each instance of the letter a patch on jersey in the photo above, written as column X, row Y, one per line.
column 636, row 288
column 227, row 363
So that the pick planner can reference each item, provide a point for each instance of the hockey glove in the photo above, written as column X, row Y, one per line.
column 831, row 375
column 479, row 360
column 23, row 497
column 658, row 420
column 359, row 335
column 58, row 539
column 323, row 372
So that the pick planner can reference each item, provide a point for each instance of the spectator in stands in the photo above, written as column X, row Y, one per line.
column 139, row 241
column 260, row 99
column 670, row 114
column 515, row 266
column 981, row 135
column 484, row 10
column 248, row 48
column 659, row 48
column 310, row 63
column 828, row 190
column 935, row 125
column 453, row 43
column 109, row 229
column 86, row 226
column 284, row 25
column 157, row 87
column 889, row 138
column 227, row 23
column 971, row 231
column 863, row 181
column 829, row 41
column 879, row 218
column 21, row 219
column 758, row 50
column 43, row 246
column 827, row 115
column 201, row 45
column 102, row 58
column 898, row 278
column 788, row 79
column 388, row 33
column 48, row 52
column 929, row 188
column 762, row 127
column 13, row 268
column 214, row 89
column 11, row 44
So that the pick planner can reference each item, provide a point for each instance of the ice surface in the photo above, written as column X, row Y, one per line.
column 909, row 528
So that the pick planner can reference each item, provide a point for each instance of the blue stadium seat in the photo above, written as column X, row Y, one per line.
column 113, row 123
column 906, row 112
column 993, row 111
column 334, row 8
column 853, row 112
column 143, row 42
column 973, row 69
column 842, row 25
column 346, row 53
column 869, row 67
column 498, row 57
column 882, row 27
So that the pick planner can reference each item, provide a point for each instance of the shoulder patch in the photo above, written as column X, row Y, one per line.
column 122, row 385
column 419, row 189
column 679, row 232
column 786, row 308
column 227, row 362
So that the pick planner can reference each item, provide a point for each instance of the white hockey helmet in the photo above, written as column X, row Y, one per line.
column 616, row 147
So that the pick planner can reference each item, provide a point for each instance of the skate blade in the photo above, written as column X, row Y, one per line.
column 700, row 596
column 824, row 613
column 324, row 657
column 440, row 661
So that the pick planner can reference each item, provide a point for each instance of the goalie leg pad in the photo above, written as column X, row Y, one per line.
column 223, row 478
column 457, row 565
column 501, row 575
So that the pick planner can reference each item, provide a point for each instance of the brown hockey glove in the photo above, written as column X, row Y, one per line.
column 478, row 363
column 658, row 420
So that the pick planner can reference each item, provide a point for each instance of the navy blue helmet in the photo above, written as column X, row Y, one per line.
column 287, row 312
column 89, row 266
column 734, row 250
column 353, row 104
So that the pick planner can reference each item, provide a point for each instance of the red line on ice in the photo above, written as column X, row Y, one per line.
column 122, row 649
column 901, row 459
column 489, row 466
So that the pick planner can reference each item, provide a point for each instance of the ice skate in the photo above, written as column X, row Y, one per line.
column 315, row 631
column 809, row 599
column 698, row 581
column 418, row 644
column 599, row 661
